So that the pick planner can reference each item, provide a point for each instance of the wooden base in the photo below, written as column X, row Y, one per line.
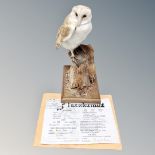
column 70, row 95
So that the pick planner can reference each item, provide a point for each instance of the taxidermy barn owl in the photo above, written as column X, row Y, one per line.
column 76, row 27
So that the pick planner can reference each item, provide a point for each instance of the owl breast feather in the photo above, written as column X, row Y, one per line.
column 78, row 36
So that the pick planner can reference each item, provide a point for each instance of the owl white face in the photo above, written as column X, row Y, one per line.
column 82, row 14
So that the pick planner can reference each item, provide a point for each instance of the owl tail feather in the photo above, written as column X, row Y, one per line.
column 58, row 45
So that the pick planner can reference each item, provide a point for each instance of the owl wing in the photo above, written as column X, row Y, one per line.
column 64, row 33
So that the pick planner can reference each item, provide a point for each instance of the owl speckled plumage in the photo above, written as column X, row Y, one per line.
column 76, row 27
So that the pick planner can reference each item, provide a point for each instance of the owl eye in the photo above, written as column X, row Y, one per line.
column 84, row 16
column 76, row 14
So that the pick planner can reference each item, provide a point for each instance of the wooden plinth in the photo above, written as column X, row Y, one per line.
column 70, row 95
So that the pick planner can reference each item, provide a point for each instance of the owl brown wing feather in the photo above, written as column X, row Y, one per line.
column 64, row 33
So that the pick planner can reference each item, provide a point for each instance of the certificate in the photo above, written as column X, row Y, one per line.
column 78, row 123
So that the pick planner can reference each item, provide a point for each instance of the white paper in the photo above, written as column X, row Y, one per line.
column 78, row 123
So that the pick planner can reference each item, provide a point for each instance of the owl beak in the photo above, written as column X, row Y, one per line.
column 79, row 22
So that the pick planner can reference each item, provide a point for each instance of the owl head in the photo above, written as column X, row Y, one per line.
column 82, row 14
